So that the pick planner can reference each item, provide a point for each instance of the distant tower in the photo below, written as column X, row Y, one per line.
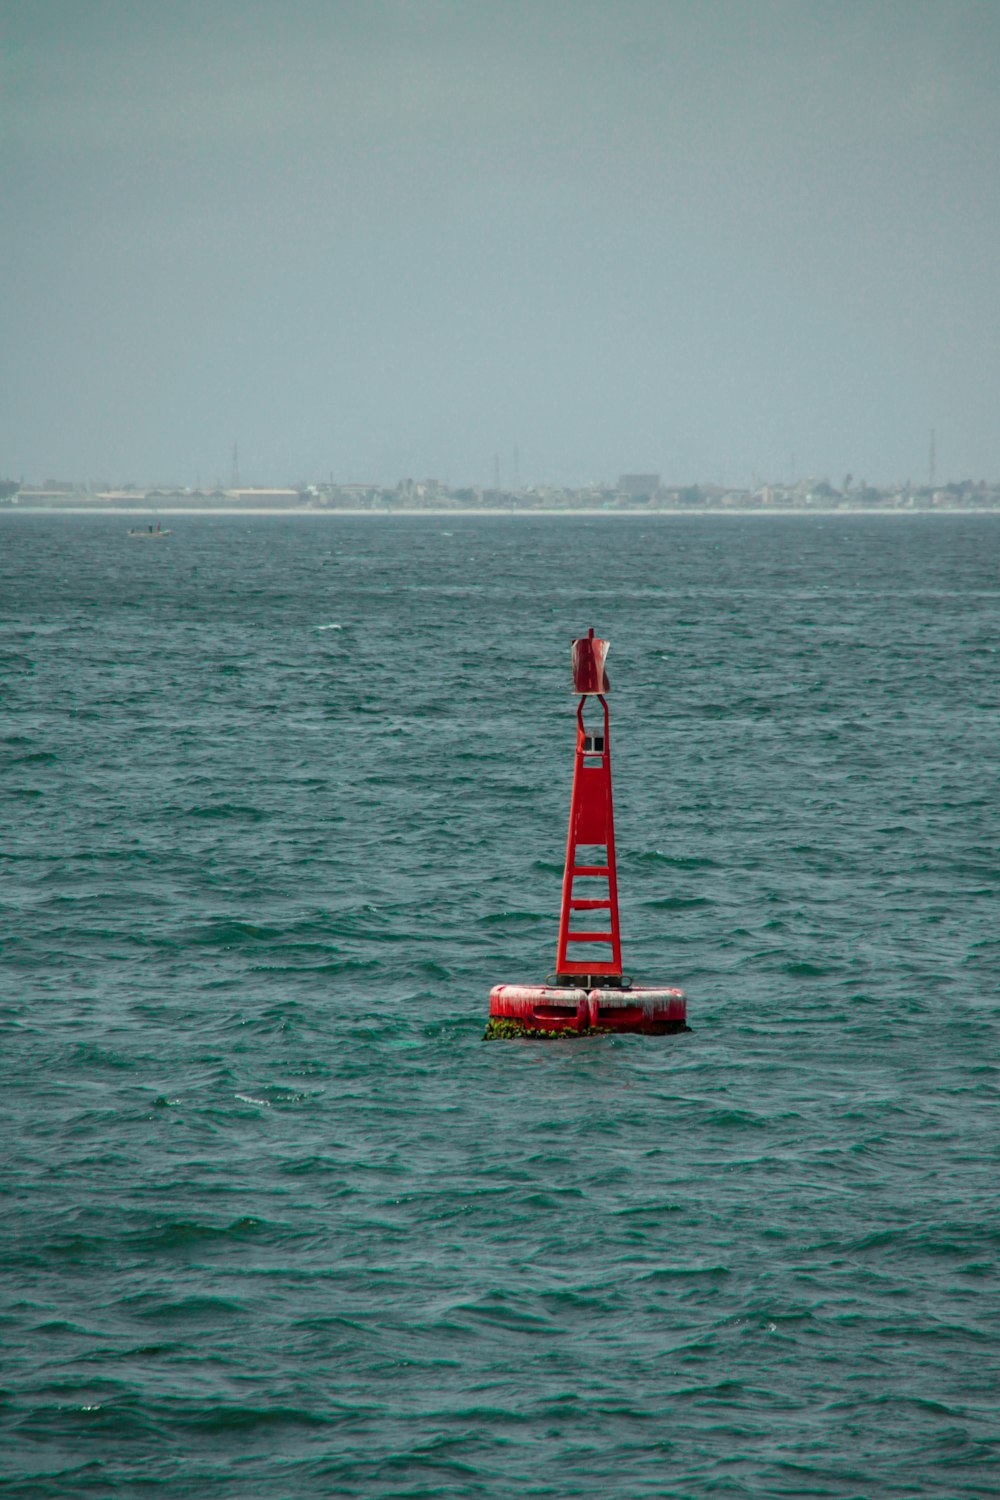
column 496, row 471
column 234, row 482
column 517, row 469
column 932, row 462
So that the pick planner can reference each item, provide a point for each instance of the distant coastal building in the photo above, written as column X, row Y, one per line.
column 635, row 485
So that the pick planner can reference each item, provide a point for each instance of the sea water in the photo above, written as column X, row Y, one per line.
column 283, row 798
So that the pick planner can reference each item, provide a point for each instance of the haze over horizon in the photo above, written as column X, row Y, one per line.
column 409, row 237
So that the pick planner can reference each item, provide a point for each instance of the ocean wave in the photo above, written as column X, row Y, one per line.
column 224, row 811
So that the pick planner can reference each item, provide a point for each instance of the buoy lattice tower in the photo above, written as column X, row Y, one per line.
column 588, row 990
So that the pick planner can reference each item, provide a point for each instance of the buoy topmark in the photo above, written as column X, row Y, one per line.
column 588, row 991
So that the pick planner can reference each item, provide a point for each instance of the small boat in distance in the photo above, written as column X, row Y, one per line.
column 146, row 533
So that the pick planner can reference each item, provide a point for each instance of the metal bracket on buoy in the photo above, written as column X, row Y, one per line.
column 588, row 994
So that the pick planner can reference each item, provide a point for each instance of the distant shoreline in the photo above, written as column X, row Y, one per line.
column 496, row 512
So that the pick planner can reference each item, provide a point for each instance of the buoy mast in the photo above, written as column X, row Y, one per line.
column 591, row 825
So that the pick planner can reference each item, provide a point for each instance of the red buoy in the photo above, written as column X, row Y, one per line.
column 588, row 991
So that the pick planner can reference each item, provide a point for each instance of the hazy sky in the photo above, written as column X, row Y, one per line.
column 388, row 238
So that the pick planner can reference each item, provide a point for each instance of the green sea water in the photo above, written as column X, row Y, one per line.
column 280, row 800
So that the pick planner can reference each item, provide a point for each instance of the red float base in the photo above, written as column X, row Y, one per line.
column 554, row 1008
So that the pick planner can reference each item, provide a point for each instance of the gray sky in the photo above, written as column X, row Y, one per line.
column 381, row 238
